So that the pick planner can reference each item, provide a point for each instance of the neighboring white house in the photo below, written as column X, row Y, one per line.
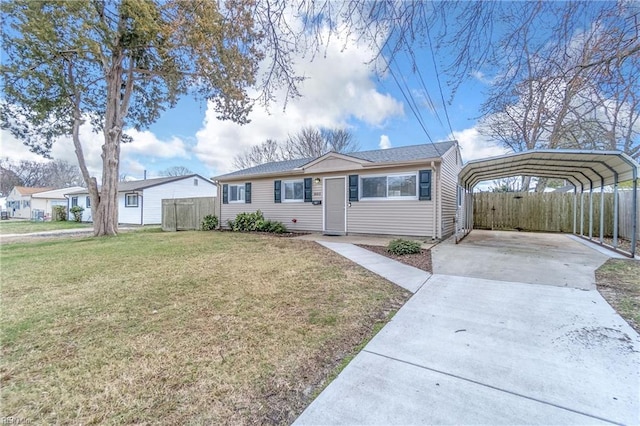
column 36, row 203
column 42, row 203
column 140, row 201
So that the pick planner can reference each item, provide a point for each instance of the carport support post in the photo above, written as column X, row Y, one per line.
column 615, row 212
column 601, row 210
column 634, row 216
column 575, row 209
column 591, row 211
column 582, row 212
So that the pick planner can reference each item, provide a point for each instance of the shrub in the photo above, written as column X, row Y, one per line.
column 59, row 213
column 209, row 222
column 401, row 247
column 246, row 222
column 76, row 211
column 273, row 226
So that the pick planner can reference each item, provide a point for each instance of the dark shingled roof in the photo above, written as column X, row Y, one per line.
column 391, row 155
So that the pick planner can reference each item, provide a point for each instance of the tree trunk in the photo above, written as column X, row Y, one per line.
column 105, row 214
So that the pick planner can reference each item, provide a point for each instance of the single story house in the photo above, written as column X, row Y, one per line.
column 36, row 203
column 409, row 190
column 140, row 201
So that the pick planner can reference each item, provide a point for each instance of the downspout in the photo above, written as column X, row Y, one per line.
column 142, row 207
column 435, row 202
column 219, row 202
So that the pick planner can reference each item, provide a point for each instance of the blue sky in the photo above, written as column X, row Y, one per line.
column 341, row 90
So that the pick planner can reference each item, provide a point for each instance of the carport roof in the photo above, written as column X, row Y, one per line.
column 584, row 169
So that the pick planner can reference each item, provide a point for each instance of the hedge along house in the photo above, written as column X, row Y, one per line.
column 140, row 201
column 409, row 191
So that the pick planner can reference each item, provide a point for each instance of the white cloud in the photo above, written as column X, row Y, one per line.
column 148, row 144
column 385, row 143
column 145, row 148
column 474, row 146
column 482, row 78
column 339, row 87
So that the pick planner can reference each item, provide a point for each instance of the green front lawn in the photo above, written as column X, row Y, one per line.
column 15, row 226
column 175, row 328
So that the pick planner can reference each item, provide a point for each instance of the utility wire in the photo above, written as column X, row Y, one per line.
column 435, row 67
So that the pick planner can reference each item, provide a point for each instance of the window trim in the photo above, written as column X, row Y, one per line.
column 387, row 175
column 284, row 198
column 126, row 200
column 244, row 193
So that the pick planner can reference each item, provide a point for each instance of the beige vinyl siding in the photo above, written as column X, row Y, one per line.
column 308, row 217
column 386, row 217
column 392, row 217
column 449, row 170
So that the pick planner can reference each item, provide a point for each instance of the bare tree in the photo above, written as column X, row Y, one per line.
column 176, row 171
column 62, row 174
column 268, row 151
column 42, row 174
column 8, row 178
column 309, row 142
column 509, row 184
column 340, row 140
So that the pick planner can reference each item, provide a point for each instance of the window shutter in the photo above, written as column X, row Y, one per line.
column 353, row 187
column 307, row 190
column 247, row 192
column 276, row 191
column 225, row 194
column 425, row 184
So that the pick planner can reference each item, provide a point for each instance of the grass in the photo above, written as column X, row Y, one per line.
column 188, row 327
column 26, row 226
column 618, row 281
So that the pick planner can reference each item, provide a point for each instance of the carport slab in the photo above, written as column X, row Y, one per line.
column 469, row 350
column 536, row 258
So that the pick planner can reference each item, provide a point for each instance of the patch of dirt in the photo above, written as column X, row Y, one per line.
column 623, row 244
column 618, row 281
column 420, row 260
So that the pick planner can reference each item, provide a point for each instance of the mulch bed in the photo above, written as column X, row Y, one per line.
column 420, row 260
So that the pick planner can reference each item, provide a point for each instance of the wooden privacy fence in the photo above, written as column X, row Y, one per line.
column 552, row 212
column 184, row 214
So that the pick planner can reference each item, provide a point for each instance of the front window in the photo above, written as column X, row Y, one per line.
column 293, row 190
column 131, row 200
column 236, row 193
column 74, row 201
column 87, row 202
column 392, row 186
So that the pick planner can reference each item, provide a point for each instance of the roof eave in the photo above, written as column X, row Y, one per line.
column 298, row 171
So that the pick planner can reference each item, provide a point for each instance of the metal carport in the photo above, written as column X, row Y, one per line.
column 586, row 170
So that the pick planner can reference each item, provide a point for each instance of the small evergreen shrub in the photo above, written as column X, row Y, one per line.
column 273, row 227
column 401, row 247
column 247, row 222
column 59, row 213
column 76, row 211
column 209, row 222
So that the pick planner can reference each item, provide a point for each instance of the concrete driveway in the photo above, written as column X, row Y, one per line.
column 487, row 342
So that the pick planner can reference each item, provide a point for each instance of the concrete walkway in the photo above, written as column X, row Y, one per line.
column 473, row 350
column 402, row 275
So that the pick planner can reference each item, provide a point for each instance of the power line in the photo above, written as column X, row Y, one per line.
column 435, row 67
